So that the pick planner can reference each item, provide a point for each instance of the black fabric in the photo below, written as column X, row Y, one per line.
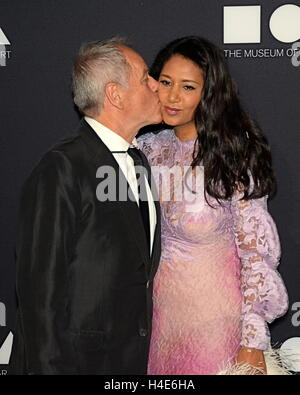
column 143, row 202
column 84, row 274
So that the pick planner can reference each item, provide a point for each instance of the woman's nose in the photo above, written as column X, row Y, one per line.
column 174, row 94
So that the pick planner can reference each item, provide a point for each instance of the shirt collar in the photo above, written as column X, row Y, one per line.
column 111, row 139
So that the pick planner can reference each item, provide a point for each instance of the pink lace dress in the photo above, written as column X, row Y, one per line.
column 217, row 285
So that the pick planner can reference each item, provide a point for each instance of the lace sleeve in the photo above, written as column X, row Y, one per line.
column 264, row 294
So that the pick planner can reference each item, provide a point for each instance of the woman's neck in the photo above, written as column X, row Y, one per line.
column 186, row 132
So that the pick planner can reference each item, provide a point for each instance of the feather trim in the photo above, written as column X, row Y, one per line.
column 277, row 364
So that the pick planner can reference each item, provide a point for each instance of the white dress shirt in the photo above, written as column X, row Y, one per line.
column 114, row 142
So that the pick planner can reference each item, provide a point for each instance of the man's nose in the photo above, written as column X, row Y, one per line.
column 153, row 84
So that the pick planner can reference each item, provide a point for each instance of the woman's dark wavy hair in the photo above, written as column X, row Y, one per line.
column 230, row 144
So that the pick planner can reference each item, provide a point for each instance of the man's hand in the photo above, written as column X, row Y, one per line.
column 253, row 357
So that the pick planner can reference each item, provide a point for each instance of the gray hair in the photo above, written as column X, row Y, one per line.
column 99, row 63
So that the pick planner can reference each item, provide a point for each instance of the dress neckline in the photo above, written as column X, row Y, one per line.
column 183, row 142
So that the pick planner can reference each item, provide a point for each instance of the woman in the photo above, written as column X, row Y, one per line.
column 217, row 284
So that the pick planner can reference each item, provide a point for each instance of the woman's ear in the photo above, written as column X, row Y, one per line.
column 114, row 94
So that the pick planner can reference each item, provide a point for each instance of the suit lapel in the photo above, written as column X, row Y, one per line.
column 156, row 248
column 129, row 209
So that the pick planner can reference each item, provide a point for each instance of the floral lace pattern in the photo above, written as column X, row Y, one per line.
column 265, row 297
column 217, row 284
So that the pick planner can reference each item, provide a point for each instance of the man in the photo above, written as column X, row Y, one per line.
column 85, row 264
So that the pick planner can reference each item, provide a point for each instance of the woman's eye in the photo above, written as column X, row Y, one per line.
column 165, row 82
column 189, row 87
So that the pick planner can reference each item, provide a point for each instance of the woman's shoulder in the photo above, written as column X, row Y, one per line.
column 155, row 139
column 152, row 144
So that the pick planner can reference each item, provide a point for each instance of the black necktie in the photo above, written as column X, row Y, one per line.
column 143, row 201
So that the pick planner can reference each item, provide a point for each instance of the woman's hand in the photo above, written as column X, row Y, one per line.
column 253, row 357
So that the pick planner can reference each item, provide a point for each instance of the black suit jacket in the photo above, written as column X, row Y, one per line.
column 84, row 274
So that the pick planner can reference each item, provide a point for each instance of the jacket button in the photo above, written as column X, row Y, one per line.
column 143, row 332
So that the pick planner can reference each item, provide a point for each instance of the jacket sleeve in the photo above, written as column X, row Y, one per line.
column 264, row 294
column 45, row 243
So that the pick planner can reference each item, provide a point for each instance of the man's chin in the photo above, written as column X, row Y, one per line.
column 154, row 121
column 158, row 119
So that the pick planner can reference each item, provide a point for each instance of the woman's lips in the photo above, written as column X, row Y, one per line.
column 171, row 110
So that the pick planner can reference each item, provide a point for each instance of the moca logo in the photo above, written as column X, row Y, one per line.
column 4, row 55
column 5, row 350
column 242, row 24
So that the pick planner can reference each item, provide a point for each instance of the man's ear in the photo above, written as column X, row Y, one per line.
column 115, row 95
